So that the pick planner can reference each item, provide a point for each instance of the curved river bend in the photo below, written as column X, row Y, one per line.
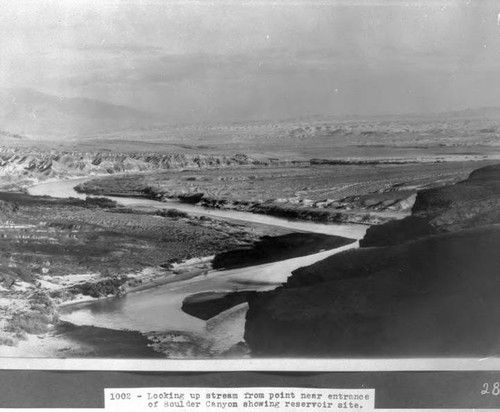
column 159, row 309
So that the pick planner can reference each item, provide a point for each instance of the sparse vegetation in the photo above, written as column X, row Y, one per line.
column 32, row 322
column 45, row 242
column 52, row 240
column 172, row 213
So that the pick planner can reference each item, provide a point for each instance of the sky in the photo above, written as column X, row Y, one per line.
column 225, row 61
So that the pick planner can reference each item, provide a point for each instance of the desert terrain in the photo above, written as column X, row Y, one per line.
column 210, row 218
column 307, row 190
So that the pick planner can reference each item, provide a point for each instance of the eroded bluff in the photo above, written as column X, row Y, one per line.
column 427, row 285
column 38, row 165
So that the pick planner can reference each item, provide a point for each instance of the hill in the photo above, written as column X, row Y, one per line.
column 44, row 116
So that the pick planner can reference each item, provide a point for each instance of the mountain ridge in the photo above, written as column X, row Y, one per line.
column 37, row 114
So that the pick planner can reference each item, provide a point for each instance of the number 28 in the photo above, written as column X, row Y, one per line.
column 495, row 389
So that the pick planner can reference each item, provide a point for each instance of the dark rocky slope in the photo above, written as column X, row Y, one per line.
column 206, row 305
column 275, row 248
column 470, row 203
column 424, row 286
column 268, row 249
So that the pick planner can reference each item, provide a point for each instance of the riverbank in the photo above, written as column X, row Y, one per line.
column 27, row 331
column 56, row 225
column 425, row 286
column 348, row 192
column 219, row 297
column 158, row 313
column 65, row 251
column 208, row 304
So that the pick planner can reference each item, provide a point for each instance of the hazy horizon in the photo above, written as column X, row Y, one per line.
column 193, row 61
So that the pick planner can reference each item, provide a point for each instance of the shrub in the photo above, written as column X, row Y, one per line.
column 7, row 340
column 29, row 322
column 172, row 213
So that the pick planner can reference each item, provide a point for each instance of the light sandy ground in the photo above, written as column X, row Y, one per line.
column 227, row 328
column 39, row 346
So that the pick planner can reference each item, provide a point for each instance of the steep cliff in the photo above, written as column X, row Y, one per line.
column 426, row 286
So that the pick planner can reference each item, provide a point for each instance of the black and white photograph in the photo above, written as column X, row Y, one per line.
column 253, row 179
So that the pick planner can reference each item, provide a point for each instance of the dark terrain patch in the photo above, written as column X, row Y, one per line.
column 426, row 286
column 206, row 305
column 105, row 343
column 275, row 248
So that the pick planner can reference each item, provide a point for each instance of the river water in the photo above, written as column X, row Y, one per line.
column 65, row 188
column 159, row 309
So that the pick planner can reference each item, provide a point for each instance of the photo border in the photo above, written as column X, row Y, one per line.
column 260, row 364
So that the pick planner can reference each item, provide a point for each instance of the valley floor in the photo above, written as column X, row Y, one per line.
column 55, row 252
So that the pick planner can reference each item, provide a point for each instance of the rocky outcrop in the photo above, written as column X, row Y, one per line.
column 10, row 274
column 470, row 203
column 350, row 209
column 99, row 289
column 426, row 286
column 299, row 212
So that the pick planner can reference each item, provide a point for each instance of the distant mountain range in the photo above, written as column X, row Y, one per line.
column 491, row 112
column 40, row 115
column 27, row 115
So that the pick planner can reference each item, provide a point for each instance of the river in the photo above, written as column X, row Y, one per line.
column 159, row 309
